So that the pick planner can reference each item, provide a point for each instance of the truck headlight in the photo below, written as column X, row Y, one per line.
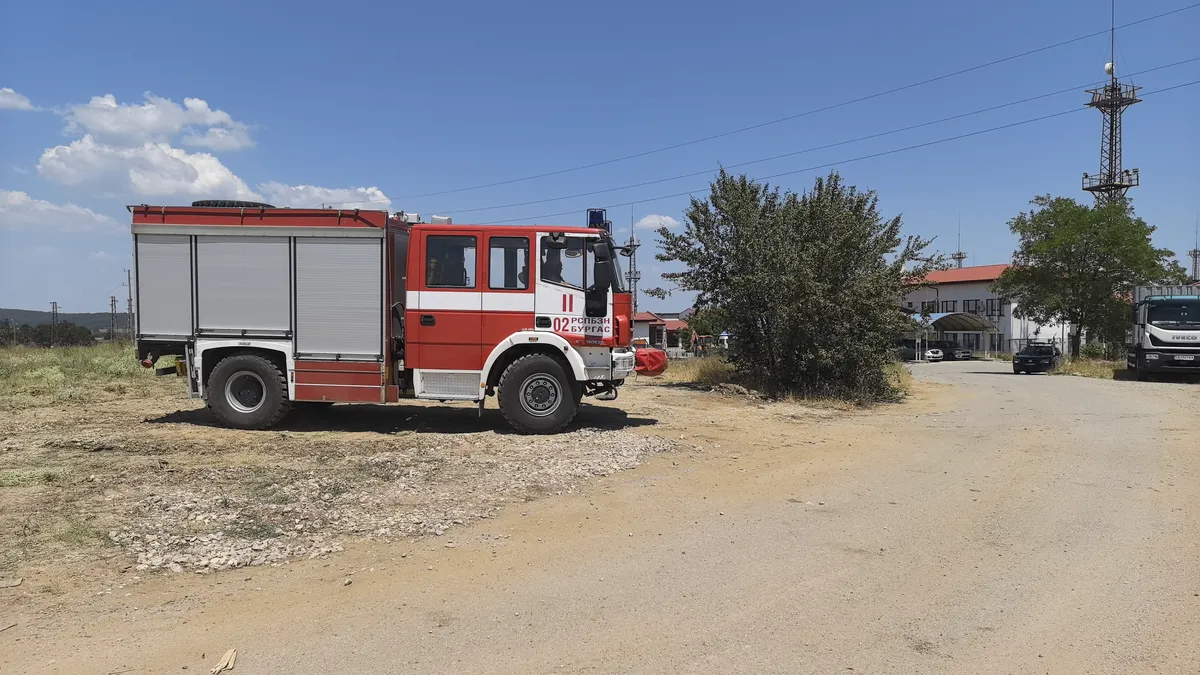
column 1152, row 357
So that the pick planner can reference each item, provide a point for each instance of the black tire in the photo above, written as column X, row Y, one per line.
column 1016, row 371
column 536, row 396
column 230, row 204
column 246, row 391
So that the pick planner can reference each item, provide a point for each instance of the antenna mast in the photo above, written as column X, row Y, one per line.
column 1195, row 255
column 1113, row 181
column 633, row 275
column 959, row 256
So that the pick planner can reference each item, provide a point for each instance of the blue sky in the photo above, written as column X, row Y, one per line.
column 374, row 102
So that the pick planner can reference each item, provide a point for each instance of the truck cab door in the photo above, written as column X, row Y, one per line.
column 443, row 321
column 566, row 270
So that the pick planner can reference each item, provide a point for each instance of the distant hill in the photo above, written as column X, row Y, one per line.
column 92, row 320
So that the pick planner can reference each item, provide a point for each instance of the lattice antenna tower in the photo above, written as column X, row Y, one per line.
column 633, row 276
column 958, row 257
column 1113, row 181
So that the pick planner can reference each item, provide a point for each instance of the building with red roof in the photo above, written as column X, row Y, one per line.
column 967, row 290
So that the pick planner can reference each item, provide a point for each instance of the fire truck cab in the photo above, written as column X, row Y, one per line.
column 268, row 308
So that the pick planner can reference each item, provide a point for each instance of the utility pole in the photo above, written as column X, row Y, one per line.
column 1112, row 182
column 112, row 318
column 129, row 306
column 53, row 323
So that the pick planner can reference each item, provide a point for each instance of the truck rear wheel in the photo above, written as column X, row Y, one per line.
column 535, row 395
column 248, row 392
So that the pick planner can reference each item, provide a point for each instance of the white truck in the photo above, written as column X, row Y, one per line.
column 1165, row 334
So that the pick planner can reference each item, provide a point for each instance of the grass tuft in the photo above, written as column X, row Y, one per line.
column 1105, row 370
column 25, row 477
column 79, row 533
column 705, row 371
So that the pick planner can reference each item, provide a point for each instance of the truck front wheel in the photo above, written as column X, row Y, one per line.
column 535, row 395
column 1141, row 372
column 248, row 392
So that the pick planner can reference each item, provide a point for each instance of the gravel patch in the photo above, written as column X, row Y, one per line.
column 218, row 518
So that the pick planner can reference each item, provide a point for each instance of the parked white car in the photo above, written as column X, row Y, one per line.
column 934, row 355
column 962, row 354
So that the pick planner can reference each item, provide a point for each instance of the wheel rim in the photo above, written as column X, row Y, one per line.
column 245, row 391
column 540, row 395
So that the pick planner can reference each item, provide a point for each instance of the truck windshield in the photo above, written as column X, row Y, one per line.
column 618, row 284
column 1174, row 314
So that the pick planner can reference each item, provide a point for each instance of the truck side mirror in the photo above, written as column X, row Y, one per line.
column 595, row 301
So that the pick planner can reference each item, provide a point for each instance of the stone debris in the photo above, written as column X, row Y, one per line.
column 226, row 663
column 229, row 518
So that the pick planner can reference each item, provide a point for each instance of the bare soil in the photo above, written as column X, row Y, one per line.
column 991, row 523
column 146, row 484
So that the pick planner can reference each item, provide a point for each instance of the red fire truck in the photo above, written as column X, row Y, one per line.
column 265, row 308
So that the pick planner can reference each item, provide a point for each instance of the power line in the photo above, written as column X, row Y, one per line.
column 814, row 111
column 851, row 160
column 806, row 150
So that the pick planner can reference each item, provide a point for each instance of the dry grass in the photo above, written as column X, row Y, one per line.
column 32, row 377
column 714, row 371
column 900, row 376
column 1104, row 370
column 706, row 371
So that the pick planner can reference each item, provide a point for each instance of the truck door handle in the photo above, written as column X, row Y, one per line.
column 541, row 322
column 428, row 320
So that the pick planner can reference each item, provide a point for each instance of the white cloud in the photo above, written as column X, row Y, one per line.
column 312, row 196
column 156, row 120
column 21, row 170
column 148, row 170
column 11, row 100
column 220, row 139
column 99, row 256
column 19, row 211
column 653, row 222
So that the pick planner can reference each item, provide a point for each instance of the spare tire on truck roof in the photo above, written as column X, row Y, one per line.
column 231, row 204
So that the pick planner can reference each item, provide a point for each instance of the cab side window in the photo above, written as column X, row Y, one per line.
column 565, row 267
column 508, row 263
column 450, row 261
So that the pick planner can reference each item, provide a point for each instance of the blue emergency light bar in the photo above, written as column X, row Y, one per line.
column 596, row 218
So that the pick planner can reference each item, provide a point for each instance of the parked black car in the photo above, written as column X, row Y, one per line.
column 1037, row 359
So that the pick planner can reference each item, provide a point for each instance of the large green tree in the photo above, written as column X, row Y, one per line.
column 808, row 284
column 1077, row 263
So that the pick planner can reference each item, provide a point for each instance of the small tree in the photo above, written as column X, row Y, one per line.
column 1078, row 264
column 810, row 284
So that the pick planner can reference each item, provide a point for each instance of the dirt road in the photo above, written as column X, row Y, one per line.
column 998, row 523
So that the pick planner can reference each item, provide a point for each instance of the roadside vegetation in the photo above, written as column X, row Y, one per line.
column 807, row 283
column 1098, row 368
column 1079, row 263
column 716, row 372
column 32, row 377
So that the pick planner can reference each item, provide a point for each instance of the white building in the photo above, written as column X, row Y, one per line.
column 968, row 290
